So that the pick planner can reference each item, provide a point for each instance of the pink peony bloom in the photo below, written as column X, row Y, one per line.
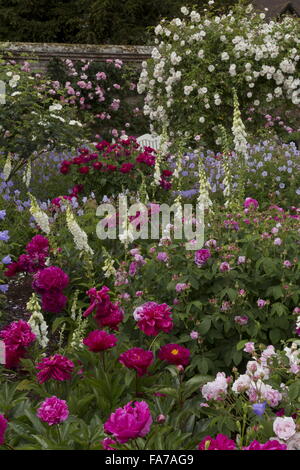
column 221, row 442
column 284, row 427
column 53, row 302
column 107, row 444
column 53, row 411
column 174, row 354
column 249, row 347
column 99, row 340
column 138, row 359
column 56, row 367
column 250, row 203
column 152, row 318
column 3, row 426
column 130, row 422
column 201, row 256
column 17, row 336
column 272, row 444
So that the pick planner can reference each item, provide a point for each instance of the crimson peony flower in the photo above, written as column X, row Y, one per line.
column 99, row 340
column 152, row 318
column 107, row 444
column 53, row 302
column 126, row 167
column 53, row 411
column 130, row 422
column 17, row 336
column 84, row 170
column 111, row 320
column 49, row 279
column 38, row 244
column 107, row 313
column 221, row 442
column 174, row 354
column 3, row 426
column 137, row 359
column 272, row 444
column 56, row 367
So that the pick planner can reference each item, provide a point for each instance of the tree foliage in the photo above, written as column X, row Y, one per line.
column 89, row 21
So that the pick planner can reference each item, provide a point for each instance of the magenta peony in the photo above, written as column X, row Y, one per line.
column 272, row 444
column 53, row 302
column 17, row 336
column 99, row 340
column 56, row 367
column 53, row 411
column 250, row 203
column 174, row 354
column 107, row 313
column 152, row 318
column 221, row 442
column 3, row 426
column 50, row 279
column 108, row 443
column 130, row 422
column 137, row 359
column 201, row 256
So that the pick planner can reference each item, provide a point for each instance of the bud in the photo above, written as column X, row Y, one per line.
column 160, row 419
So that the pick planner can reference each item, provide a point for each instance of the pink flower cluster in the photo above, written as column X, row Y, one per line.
column 152, row 318
column 130, row 422
column 17, row 336
column 220, row 442
column 53, row 411
column 56, row 367
column 201, row 256
column 37, row 251
column 107, row 313
column 217, row 389
column 50, row 282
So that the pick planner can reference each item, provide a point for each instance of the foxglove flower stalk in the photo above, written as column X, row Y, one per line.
column 203, row 198
column 27, row 174
column 79, row 236
column 238, row 129
column 40, row 216
column 7, row 167
column 37, row 322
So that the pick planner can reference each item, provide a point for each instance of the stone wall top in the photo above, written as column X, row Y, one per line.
column 41, row 53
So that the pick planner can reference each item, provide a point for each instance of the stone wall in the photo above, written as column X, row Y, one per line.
column 40, row 53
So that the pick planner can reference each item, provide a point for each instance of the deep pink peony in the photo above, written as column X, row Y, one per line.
column 17, row 336
column 56, row 367
column 221, row 442
column 174, row 354
column 99, row 340
column 201, row 256
column 38, row 244
column 250, row 203
column 53, row 302
column 272, row 444
column 130, row 422
column 107, row 313
column 152, row 318
column 3, row 426
column 50, row 279
column 138, row 359
column 108, row 443
column 53, row 411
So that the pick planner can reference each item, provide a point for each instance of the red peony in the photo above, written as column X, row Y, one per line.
column 174, row 354
column 99, row 340
column 138, row 359
column 56, row 367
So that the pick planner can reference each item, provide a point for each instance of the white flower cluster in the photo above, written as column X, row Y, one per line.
column 197, row 60
column 37, row 322
column 7, row 167
column 79, row 235
column 39, row 216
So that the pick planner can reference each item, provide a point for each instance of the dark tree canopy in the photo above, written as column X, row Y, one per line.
column 89, row 21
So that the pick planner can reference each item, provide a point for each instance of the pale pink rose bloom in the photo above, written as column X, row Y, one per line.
column 284, row 427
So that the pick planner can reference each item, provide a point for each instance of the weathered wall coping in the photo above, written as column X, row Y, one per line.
column 43, row 52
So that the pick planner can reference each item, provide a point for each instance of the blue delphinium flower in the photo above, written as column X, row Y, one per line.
column 6, row 259
column 2, row 214
column 3, row 288
column 4, row 236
